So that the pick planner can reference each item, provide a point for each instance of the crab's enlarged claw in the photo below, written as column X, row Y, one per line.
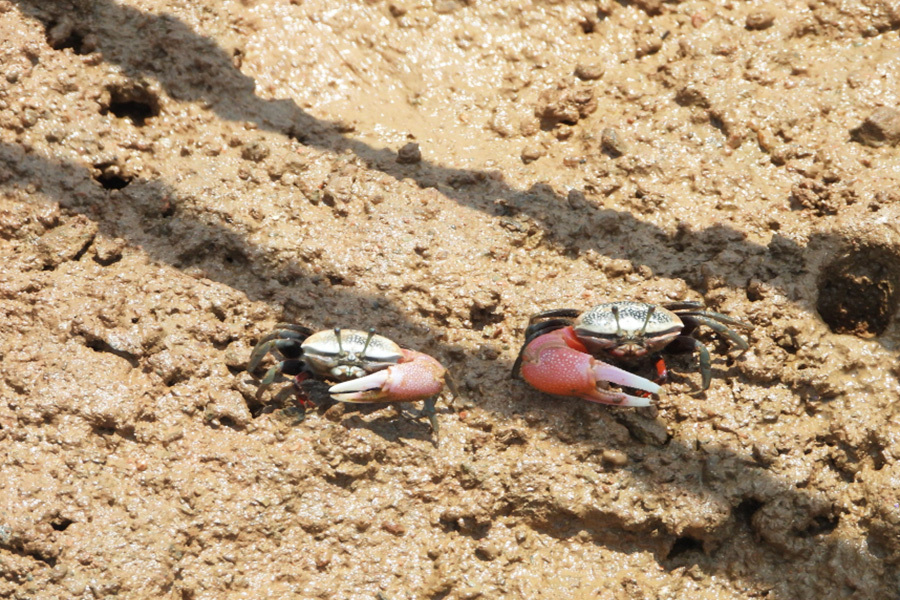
column 417, row 376
column 557, row 363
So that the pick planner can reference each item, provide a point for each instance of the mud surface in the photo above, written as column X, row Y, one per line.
column 177, row 177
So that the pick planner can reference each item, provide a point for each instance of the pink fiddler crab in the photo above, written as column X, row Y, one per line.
column 563, row 347
column 365, row 367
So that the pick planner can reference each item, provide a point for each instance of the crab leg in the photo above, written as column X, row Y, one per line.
column 557, row 363
column 721, row 329
column 705, row 363
column 286, row 343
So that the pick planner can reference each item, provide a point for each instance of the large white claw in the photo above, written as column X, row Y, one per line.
column 416, row 377
column 607, row 372
column 362, row 389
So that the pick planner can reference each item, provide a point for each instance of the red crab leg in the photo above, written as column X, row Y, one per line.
column 557, row 363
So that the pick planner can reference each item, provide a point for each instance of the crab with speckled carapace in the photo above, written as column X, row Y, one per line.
column 563, row 347
column 366, row 368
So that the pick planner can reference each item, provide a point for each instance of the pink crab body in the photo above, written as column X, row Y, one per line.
column 416, row 376
column 558, row 363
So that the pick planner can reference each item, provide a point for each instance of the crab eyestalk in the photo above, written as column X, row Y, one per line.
column 557, row 363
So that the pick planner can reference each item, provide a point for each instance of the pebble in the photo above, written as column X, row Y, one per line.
column 108, row 250
column 336, row 412
column 615, row 458
column 589, row 71
column 611, row 143
column 759, row 20
column 532, row 153
column 881, row 128
column 393, row 528
column 409, row 154
column 487, row 551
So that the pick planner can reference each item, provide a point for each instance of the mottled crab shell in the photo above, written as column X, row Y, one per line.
column 351, row 356
column 639, row 329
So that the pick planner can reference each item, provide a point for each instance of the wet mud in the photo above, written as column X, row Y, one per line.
column 176, row 178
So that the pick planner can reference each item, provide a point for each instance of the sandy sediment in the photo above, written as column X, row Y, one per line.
column 176, row 178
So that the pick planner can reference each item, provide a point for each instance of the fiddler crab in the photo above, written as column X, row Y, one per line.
column 366, row 367
column 563, row 347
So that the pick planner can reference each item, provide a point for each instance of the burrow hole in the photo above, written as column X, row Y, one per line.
column 110, row 177
column 858, row 291
column 133, row 102
column 64, row 34
column 61, row 524
column 685, row 545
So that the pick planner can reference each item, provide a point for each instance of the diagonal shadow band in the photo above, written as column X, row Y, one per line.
column 163, row 48
column 623, row 236
column 795, row 527
column 183, row 62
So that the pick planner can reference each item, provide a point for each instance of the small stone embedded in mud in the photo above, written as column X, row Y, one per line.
column 487, row 551
column 611, row 143
column 532, row 153
column 881, row 128
column 108, row 250
column 227, row 407
column 66, row 242
column 651, row 7
column 409, row 154
column 650, row 44
column 323, row 559
column 589, row 71
column 564, row 104
column 511, row 436
column 236, row 355
column 336, row 412
column 443, row 7
column 762, row 19
column 615, row 458
column 255, row 151
column 394, row 528
column 765, row 453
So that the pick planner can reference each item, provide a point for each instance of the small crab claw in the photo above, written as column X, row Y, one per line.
column 557, row 363
column 417, row 376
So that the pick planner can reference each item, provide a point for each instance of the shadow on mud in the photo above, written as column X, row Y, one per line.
column 763, row 502
column 162, row 48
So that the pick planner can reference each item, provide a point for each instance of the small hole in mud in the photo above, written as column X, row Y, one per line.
column 858, row 292
column 112, row 182
column 684, row 545
column 98, row 345
column 482, row 316
column 820, row 525
column 226, row 421
column 255, row 407
column 64, row 34
column 878, row 460
column 132, row 102
column 74, row 41
column 744, row 511
column 61, row 524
